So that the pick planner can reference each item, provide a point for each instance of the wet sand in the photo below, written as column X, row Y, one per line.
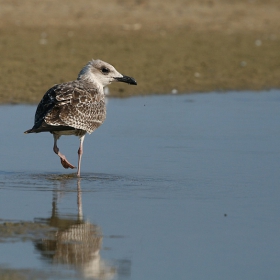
column 179, row 46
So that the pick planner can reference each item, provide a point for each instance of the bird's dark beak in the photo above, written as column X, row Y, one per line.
column 126, row 79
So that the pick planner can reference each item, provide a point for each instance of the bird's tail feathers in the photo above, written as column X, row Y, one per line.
column 48, row 128
column 29, row 131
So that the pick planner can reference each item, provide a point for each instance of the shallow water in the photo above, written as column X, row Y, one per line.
column 172, row 187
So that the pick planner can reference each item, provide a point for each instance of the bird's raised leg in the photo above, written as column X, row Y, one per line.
column 65, row 163
column 80, row 153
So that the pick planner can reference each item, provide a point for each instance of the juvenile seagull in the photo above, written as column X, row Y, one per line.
column 77, row 107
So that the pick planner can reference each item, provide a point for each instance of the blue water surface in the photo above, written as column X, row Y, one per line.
column 178, row 187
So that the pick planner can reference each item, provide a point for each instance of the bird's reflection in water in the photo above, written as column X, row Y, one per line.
column 75, row 242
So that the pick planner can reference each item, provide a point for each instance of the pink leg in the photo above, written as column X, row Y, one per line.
column 65, row 163
column 80, row 153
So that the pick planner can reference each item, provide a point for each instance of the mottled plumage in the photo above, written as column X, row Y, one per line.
column 72, row 105
column 76, row 107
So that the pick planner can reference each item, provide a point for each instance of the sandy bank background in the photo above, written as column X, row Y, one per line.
column 179, row 46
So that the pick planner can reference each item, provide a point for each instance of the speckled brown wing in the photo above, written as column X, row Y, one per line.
column 76, row 104
column 44, row 107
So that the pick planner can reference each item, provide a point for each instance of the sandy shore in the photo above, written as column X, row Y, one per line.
column 181, row 46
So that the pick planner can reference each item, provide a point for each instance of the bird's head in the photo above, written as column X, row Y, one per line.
column 103, row 73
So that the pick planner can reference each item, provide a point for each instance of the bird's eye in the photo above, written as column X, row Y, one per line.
column 105, row 70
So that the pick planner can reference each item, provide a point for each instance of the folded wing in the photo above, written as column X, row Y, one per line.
column 75, row 104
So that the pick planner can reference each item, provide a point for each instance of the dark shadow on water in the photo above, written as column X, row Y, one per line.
column 67, row 240
column 75, row 242
column 46, row 181
column 85, row 177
